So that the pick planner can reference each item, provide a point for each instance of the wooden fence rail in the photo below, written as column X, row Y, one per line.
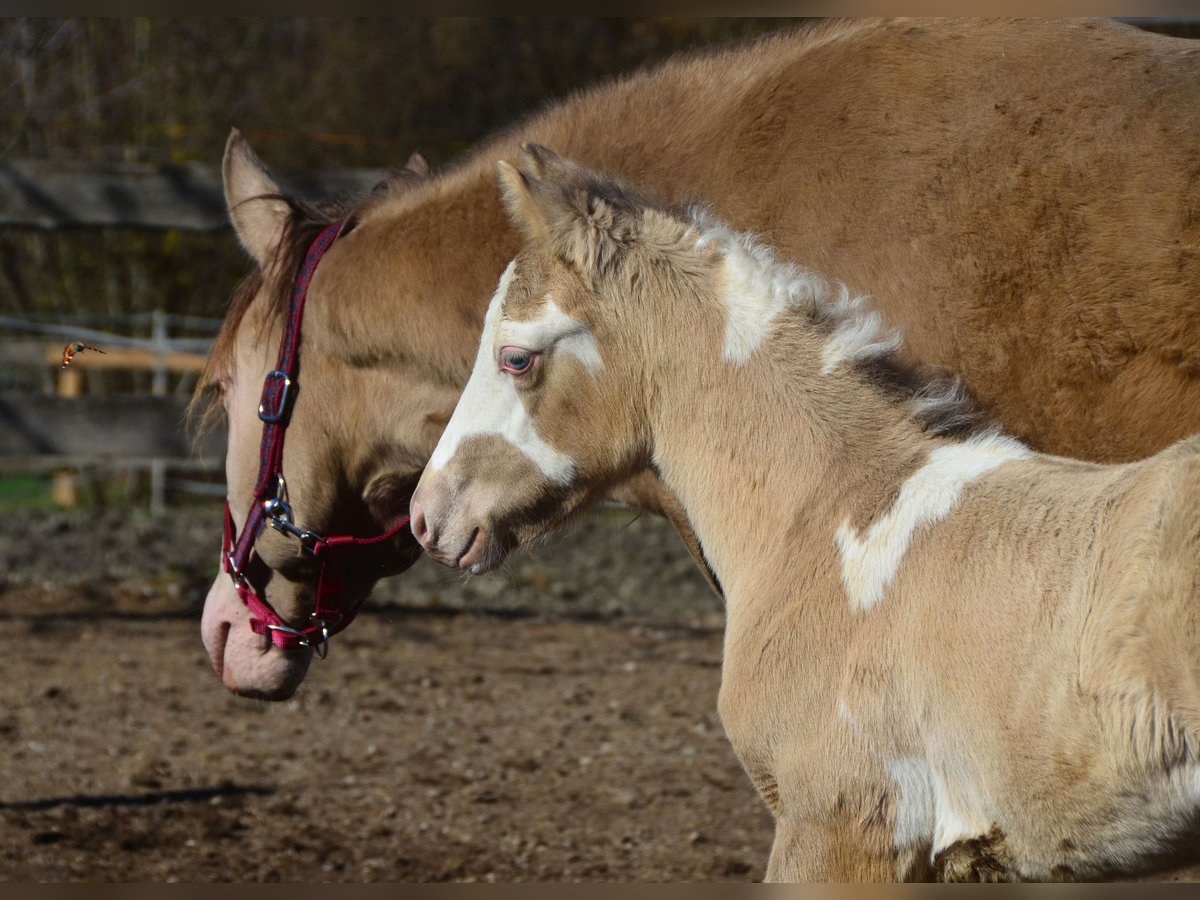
column 71, row 435
column 43, row 194
column 99, row 427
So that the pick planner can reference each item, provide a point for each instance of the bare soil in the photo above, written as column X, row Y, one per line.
column 556, row 722
column 566, row 729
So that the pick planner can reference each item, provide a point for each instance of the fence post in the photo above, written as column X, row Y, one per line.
column 158, row 486
column 63, row 487
column 158, row 325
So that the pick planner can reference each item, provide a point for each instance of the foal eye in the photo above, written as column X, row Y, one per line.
column 516, row 361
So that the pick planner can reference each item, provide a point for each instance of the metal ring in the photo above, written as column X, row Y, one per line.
column 321, row 649
column 272, row 417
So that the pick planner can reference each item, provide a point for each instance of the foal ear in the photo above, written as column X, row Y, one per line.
column 537, row 191
column 257, row 209
column 524, row 211
column 583, row 216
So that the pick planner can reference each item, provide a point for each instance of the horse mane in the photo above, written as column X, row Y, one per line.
column 939, row 405
column 305, row 222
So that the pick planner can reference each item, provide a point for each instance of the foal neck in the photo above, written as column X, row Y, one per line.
column 779, row 433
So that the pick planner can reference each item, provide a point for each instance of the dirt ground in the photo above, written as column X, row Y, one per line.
column 567, row 732
column 556, row 722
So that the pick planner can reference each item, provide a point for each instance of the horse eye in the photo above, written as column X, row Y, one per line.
column 516, row 361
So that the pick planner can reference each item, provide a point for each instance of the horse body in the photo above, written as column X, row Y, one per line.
column 946, row 654
column 1014, row 195
column 1020, row 705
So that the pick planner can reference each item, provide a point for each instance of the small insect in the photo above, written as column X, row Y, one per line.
column 74, row 347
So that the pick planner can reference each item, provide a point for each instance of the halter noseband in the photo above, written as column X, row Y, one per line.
column 330, row 615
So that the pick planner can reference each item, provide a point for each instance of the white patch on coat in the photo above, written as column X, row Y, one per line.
column 928, row 810
column 870, row 562
column 491, row 405
column 914, row 814
column 757, row 288
column 958, row 808
column 754, row 295
column 553, row 328
column 859, row 335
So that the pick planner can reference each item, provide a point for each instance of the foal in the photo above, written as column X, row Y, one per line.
column 946, row 655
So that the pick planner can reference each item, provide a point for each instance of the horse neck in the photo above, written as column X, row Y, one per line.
column 450, row 234
column 768, row 459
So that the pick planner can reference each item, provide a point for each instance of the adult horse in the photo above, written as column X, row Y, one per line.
column 1020, row 198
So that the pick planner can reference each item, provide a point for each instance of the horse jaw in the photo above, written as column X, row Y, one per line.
column 247, row 663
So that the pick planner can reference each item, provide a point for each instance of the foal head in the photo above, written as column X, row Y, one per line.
column 557, row 407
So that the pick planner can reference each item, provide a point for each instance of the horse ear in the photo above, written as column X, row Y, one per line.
column 584, row 217
column 257, row 209
column 544, row 163
column 417, row 165
column 396, row 181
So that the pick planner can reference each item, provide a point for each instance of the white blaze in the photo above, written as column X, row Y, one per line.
column 870, row 561
column 554, row 328
column 490, row 403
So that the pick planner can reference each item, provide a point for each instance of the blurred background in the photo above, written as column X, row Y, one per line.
column 94, row 96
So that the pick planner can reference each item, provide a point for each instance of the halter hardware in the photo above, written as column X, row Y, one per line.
column 271, row 504
column 305, row 639
column 279, row 515
column 278, row 399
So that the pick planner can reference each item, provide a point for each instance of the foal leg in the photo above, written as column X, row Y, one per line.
column 841, row 850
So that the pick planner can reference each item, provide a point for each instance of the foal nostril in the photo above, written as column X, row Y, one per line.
column 420, row 527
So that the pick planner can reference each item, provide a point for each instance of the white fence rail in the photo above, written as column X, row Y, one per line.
column 75, row 435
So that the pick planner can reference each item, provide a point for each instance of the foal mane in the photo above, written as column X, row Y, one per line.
column 939, row 405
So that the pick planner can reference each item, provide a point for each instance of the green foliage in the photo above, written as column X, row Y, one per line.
column 23, row 493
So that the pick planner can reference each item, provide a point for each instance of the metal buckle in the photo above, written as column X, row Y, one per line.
column 304, row 640
column 279, row 514
column 280, row 410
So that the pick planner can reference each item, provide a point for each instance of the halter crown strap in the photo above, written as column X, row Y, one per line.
column 270, row 503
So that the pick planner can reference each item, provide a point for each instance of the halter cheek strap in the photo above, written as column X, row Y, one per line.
column 331, row 612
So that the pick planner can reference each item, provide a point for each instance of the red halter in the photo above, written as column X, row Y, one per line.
column 330, row 615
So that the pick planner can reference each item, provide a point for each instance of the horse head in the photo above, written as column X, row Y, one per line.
column 350, row 462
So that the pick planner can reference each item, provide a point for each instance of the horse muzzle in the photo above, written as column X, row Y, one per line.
column 248, row 664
